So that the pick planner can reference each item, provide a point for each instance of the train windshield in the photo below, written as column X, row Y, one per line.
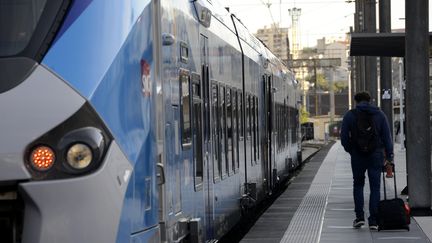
column 18, row 21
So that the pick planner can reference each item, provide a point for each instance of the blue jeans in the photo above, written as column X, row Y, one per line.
column 372, row 163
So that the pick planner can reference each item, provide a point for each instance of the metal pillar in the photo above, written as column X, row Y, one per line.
column 370, row 67
column 316, row 87
column 417, row 105
column 352, row 78
column 332, row 97
column 385, row 65
column 401, row 105
column 359, row 61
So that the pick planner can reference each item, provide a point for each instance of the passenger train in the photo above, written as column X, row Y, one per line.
column 137, row 121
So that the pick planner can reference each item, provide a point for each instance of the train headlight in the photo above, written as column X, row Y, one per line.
column 79, row 156
column 42, row 158
column 75, row 147
column 82, row 149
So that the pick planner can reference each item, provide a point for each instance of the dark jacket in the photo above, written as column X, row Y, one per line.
column 381, row 126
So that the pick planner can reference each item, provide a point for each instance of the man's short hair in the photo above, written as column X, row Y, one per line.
column 362, row 96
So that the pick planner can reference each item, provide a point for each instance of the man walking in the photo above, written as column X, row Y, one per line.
column 365, row 135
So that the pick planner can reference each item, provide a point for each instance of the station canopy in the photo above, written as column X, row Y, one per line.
column 379, row 44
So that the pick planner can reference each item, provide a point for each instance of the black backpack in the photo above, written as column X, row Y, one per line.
column 363, row 135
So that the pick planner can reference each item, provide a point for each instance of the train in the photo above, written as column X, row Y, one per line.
column 137, row 121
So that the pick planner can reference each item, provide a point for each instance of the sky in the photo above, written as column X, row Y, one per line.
column 319, row 18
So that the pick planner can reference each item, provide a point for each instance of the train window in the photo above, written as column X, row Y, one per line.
column 284, row 124
column 239, row 125
column 197, row 130
column 240, row 118
column 215, row 132
column 222, row 133
column 295, row 123
column 229, row 143
column 257, row 127
column 184, row 52
column 280, row 127
column 287, row 126
column 248, row 122
column 185, row 110
column 206, row 86
column 196, row 89
column 246, row 116
column 234, row 129
column 289, row 122
column 276, row 126
column 253, row 122
column 283, row 121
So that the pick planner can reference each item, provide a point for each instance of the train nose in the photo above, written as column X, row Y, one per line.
column 28, row 111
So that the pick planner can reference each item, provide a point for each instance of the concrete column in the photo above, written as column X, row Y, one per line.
column 385, row 65
column 417, row 105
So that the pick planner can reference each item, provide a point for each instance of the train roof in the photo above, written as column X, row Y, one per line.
column 220, row 13
column 233, row 22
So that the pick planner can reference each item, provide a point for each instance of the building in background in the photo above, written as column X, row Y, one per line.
column 320, row 78
column 335, row 49
column 276, row 39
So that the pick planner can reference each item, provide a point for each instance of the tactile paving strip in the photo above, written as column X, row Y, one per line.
column 306, row 225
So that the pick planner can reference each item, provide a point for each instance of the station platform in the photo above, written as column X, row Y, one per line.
column 318, row 206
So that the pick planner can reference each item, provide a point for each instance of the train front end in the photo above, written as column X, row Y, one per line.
column 69, row 142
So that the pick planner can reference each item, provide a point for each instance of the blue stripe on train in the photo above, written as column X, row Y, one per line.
column 85, row 51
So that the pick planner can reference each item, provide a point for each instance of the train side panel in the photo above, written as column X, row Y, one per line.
column 227, row 175
column 115, row 77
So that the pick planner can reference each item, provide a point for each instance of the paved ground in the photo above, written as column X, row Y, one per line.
column 272, row 224
column 318, row 207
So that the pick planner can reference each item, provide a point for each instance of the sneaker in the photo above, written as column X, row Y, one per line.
column 373, row 227
column 358, row 222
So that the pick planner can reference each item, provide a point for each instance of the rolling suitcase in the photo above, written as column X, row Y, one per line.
column 392, row 213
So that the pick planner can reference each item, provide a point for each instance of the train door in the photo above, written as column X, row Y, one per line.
column 266, row 138
column 273, row 132
column 248, row 135
column 207, row 145
column 268, row 149
column 241, row 131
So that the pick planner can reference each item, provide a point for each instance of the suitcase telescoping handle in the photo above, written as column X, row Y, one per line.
column 394, row 178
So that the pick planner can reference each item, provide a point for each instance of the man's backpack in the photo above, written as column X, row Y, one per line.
column 364, row 136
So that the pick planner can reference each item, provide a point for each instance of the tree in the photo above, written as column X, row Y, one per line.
column 304, row 115
column 340, row 86
column 322, row 82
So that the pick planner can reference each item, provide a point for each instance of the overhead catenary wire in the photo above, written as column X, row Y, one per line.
column 268, row 5
column 252, row 8
column 285, row 3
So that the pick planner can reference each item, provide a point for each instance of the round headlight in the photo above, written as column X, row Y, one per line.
column 79, row 156
column 42, row 158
